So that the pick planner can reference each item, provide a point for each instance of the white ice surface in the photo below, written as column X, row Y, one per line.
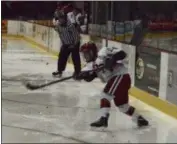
column 62, row 113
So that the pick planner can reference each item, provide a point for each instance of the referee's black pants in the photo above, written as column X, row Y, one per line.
column 64, row 53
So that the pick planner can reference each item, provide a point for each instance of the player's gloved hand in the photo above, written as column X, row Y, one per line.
column 81, row 75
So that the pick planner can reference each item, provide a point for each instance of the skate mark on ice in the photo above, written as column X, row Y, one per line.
column 51, row 133
column 28, row 77
column 50, row 105
column 103, row 130
column 109, row 133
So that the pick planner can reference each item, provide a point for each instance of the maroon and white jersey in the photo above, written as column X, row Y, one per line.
column 105, row 74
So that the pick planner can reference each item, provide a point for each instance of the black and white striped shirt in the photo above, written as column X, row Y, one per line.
column 68, row 34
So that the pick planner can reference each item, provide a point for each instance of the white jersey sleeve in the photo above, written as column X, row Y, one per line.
column 88, row 67
column 101, row 56
column 102, row 52
column 106, row 52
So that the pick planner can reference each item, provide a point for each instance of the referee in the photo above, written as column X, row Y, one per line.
column 70, row 39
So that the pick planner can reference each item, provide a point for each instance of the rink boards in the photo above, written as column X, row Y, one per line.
column 164, row 98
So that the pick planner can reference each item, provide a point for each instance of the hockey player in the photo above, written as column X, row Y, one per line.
column 108, row 66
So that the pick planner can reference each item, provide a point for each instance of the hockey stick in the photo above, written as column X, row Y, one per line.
column 34, row 87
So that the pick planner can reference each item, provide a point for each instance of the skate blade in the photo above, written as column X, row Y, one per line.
column 143, row 127
column 99, row 129
column 57, row 76
column 102, row 130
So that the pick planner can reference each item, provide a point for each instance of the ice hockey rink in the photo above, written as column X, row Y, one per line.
column 61, row 113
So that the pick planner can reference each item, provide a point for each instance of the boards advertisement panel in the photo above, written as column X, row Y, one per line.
column 171, row 94
column 147, row 72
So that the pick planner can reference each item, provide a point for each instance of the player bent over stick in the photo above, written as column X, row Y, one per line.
column 117, row 79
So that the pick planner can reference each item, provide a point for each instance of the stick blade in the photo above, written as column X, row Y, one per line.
column 31, row 87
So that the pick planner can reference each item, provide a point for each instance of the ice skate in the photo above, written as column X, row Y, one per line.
column 142, row 122
column 102, row 122
column 57, row 74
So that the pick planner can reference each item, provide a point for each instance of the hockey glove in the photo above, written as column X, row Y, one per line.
column 87, row 76
column 81, row 75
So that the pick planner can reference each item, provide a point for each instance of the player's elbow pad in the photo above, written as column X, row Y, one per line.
column 120, row 55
